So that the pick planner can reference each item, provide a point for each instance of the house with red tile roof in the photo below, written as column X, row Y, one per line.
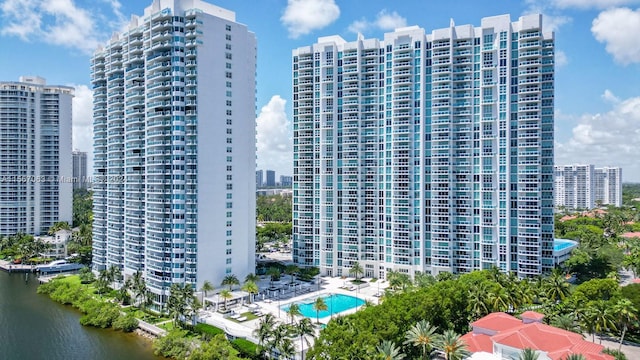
column 502, row 336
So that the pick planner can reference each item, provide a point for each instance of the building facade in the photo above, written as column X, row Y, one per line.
column 286, row 181
column 270, row 178
column 175, row 147
column 35, row 156
column 259, row 178
column 574, row 186
column 585, row 186
column 80, row 179
column 608, row 186
column 426, row 152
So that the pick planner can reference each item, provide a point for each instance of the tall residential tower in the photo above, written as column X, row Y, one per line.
column 426, row 152
column 80, row 179
column 174, row 140
column 35, row 156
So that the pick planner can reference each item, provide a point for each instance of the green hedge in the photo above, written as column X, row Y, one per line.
column 207, row 329
column 246, row 348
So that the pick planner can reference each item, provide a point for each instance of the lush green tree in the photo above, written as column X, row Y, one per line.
column 319, row 305
column 286, row 349
column 86, row 275
column 230, row 280
column 82, row 207
column 617, row 354
column 60, row 225
column 389, row 351
column 421, row 335
column 557, row 287
column 126, row 323
column 252, row 277
column 601, row 314
column 596, row 289
column 206, row 287
column 264, row 331
column 175, row 344
column 139, row 289
column 356, row 270
column 181, row 303
column 291, row 270
column 450, row 344
column 479, row 300
column 226, row 295
column 566, row 322
column 274, row 275
column 575, row 357
column 103, row 280
column 273, row 208
column 216, row 348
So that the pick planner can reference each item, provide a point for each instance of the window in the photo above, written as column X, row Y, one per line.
column 228, row 37
column 229, row 203
column 229, row 158
column 229, row 223
column 228, row 140
column 229, row 103
column 228, row 260
column 228, row 46
column 229, row 214
column 228, row 121
column 229, row 177
column 228, row 250
column 229, row 186
column 228, row 27
column 228, row 65
column 229, row 75
column 229, row 194
column 228, row 242
column 228, row 84
column 229, row 131
column 228, row 56
column 228, row 93
column 229, row 112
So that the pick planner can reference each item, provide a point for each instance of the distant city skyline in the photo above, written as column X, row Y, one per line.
column 595, row 114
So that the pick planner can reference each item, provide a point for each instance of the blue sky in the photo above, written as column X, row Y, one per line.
column 597, row 56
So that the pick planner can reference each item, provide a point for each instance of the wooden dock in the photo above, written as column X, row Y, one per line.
column 17, row 268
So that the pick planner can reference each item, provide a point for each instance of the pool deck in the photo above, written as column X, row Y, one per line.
column 272, row 302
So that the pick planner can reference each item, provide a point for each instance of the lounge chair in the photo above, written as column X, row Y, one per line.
column 241, row 318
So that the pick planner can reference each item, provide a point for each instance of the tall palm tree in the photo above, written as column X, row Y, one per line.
column 286, row 349
column 451, row 345
column 319, row 305
column 294, row 310
column 421, row 335
column 557, row 287
column 226, row 295
column 389, row 351
column 274, row 275
column 176, row 304
column 230, row 280
column 252, row 288
column 478, row 300
column 603, row 319
column 102, row 282
column 114, row 273
column 626, row 314
column 304, row 328
column 529, row 354
column 206, row 287
column 278, row 336
column 265, row 329
column 498, row 299
column 291, row 270
column 356, row 270
column 139, row 288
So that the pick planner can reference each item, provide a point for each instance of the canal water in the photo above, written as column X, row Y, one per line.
column 33, row 327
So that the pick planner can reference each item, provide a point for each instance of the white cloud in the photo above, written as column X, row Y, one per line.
column 385, row 20
column 618, row 29
column 610, row 97
column 561, row 59
column 304, row 16
column 592, row 4
column 274, row 138
column 552, row 19
column 609, row 138
column 83, row 121
column 59, row 22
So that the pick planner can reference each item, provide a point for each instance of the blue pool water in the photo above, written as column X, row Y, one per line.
column 561, row 244
column 336, row 303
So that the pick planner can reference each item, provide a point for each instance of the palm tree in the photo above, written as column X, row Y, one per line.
column 139, row 287
column 286, row 349
column 265, row 328
column 575, row 357
column 529, row 354
column 206, row 287
column 302, row 329
column 176, row 304
column 278, row 336
column 250, row 287
column 389, row 351
column 498, row 299
column 566, row 322
column 102, row 282
column 626, row 314
column 230, row 280
column 252, row 277
column 291, row 270
column 114, row 273
column 356, row 270
column 226, row 295
column 274, row 275
column 478, row 300
column 319, row 305
column 451, row 345
column 421, row 335
column 603, row 317
column 60, row 225
column 294, row 310
column 557, row 287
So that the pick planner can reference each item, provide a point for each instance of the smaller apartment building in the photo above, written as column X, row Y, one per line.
column 585, row 186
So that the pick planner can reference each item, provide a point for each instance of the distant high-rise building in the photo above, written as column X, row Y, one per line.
column 608, row 186
column 585, row 186
column 271, row 178
column 259, row 178
column 426, row 152
column 173, row 117
column 80, row 180
column 574, row 186
column 286, row 181
column 35, row 156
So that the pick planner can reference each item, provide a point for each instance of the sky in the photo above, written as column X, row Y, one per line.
column 597, row 59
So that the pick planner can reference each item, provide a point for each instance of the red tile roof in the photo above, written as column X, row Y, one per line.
column 629, row 235
column 532, row 315
column 510, row 331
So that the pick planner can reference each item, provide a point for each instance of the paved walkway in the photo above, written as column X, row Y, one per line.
column 632, row 351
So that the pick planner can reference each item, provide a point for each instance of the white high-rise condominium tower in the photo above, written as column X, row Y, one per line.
column 80, row 179
column 426, row 152
column 574, row 186
column 608, row 186
column 174, row 140
column 35, row 161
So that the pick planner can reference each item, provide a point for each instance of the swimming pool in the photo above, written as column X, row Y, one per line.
column 336, row 303
column 561, row 244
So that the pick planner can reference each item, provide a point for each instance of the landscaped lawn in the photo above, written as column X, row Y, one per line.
column 248, row 315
